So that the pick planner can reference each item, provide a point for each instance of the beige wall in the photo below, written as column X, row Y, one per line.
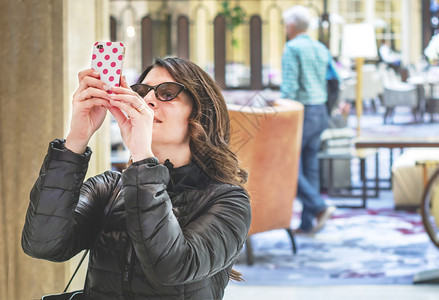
column 44, row 44
column 85, row 23
column 415, row 31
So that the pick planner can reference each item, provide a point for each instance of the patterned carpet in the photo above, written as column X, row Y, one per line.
column 358, row 246
column 377, row 245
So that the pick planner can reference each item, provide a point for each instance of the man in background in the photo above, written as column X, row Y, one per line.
column 388, row 56
column 305, row 63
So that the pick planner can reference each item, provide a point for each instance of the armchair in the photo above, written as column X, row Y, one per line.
column 267, row 141
column 397, row 93
column 372, row 87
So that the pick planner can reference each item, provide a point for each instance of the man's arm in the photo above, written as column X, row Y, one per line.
column 290, row 74
column 332, row 69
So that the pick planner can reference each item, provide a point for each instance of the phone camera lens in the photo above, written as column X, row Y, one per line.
column 100, row 46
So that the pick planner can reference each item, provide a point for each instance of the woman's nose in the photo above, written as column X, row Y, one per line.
column 151, row 99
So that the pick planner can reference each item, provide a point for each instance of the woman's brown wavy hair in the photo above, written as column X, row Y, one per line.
column 209, row 124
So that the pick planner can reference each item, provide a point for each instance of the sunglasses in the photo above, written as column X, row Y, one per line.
column 165, row 91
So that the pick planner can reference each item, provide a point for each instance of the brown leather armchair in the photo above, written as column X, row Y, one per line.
column 268, row 141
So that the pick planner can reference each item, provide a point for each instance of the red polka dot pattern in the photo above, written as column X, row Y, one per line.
column 107, row 59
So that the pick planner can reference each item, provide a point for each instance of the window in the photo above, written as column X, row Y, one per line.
column 388, row 22
column 385, row 15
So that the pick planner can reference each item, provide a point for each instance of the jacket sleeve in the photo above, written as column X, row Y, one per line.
column 169, row 253
column 63, row 211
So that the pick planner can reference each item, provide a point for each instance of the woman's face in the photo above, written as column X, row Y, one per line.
column 170, row 126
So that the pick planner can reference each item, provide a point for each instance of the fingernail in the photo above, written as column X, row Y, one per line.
column 106, row 87
column 96, row 73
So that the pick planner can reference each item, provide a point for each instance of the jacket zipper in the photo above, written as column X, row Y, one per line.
column 127, row 269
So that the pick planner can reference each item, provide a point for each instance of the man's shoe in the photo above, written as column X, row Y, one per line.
column 322, row 217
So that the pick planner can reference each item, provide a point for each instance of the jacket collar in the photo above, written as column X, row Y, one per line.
column 190, row 176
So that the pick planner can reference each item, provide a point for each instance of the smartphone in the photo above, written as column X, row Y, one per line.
column 107, row 59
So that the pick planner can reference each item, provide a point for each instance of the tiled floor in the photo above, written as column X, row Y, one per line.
column 363, row 292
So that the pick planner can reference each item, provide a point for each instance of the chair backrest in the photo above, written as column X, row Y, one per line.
column 347, row 91
column 372, row 82
column 268, row 141
column 390, row 78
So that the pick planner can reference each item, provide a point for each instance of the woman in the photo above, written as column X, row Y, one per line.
column 182, row 217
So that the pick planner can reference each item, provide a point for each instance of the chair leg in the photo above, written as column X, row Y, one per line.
column 389, row 113
column 415, row 114
column 373, row 105
column 386, row 114
column 249, row 249
column 293, row 240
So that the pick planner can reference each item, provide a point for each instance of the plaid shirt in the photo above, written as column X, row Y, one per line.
column 305, row 64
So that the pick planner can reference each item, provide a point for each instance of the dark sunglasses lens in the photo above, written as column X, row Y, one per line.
column 168, row 91
column 140, row 89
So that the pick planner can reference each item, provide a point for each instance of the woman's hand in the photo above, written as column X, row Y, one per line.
column 90, row 103
column 136, row 128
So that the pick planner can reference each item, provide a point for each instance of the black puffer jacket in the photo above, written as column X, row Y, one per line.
column 173, row 233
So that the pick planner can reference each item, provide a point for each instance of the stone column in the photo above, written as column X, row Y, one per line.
column 44, row 45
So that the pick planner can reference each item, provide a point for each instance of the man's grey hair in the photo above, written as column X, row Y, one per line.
column 299, row 16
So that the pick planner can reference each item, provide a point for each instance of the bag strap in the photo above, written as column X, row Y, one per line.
column 107, row 211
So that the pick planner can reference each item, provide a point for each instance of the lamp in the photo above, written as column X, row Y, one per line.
column 359, row 42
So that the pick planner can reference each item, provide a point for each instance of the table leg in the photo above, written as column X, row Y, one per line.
column 377, row 180
column 363, row 177
column 421, row 101
column 390, row 161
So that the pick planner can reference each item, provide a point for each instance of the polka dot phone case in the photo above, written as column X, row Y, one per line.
column 107, row 59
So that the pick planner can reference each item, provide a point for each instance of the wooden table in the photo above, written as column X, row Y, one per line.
column 396, row 142
column 392, row 142
column 119, row 163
